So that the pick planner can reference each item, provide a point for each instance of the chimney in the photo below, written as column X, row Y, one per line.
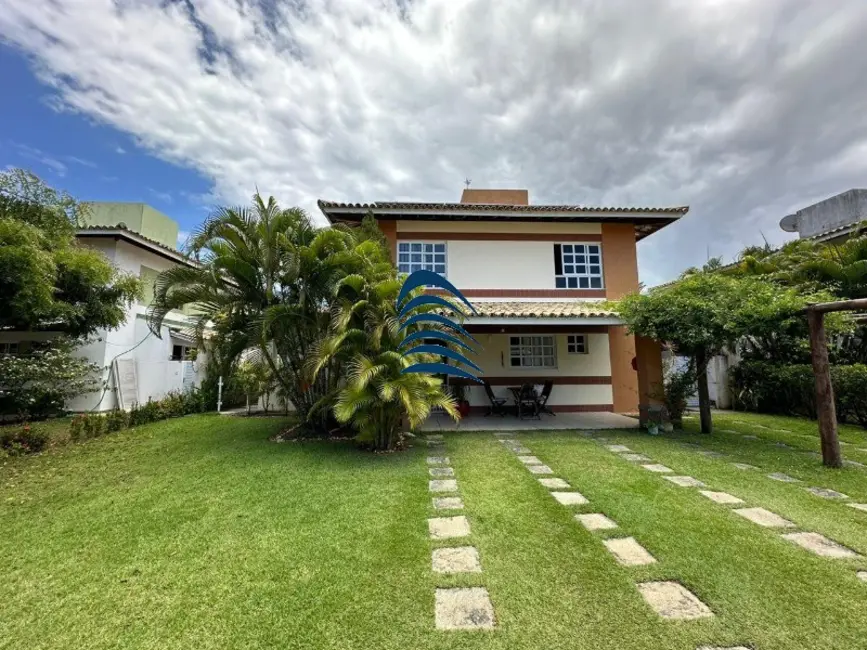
column 496, row 197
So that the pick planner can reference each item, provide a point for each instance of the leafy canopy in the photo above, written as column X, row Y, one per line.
column 48, row 281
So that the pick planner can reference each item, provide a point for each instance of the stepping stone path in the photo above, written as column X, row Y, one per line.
column 443, row 485
column 862, row 575
column 617, row 448
column 722, row 497
column 638, row 458
column 659, row 469
column 540, row 469
column 467, row 608
column 458, row 559
column 784, row 478
column 448, row 527
column 858, row 506
column 719, row 647
column 464, row 609
column 570, row 498
column 744, row 466
column 448, row 503
column 596, row 521
column 554, row 483
column 764, row 518
column 750, row 437
column 530, row 460
column 684, row 481
column 821, row 545
column 628, row 552
column 825, row 493
column 710, row 454
column 672, row 600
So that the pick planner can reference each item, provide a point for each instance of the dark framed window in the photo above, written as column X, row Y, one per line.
column 414, row 256
column 578, row 266
column 576, row 344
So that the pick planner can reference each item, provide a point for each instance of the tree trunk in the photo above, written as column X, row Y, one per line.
column 825, row 409
column 701, row 361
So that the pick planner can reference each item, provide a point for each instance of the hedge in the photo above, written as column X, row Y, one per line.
column 791, row 390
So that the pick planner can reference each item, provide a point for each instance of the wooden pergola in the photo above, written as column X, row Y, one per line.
column 825, row 409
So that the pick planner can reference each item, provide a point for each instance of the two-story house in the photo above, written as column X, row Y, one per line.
column 536, row 275
column 137, row 365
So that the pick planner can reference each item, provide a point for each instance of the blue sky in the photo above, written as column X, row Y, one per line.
column 92, row 161
column 745, row 111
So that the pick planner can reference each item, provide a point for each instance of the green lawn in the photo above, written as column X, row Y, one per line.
column 199, row 533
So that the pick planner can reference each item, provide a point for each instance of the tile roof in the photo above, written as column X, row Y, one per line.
column 565, row 309
column 491, row 207
column 134, row 237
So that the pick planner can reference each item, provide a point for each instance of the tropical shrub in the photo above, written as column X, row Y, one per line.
column 22, row 439
column 678, row 386
column 791, row 390
column 37, row 384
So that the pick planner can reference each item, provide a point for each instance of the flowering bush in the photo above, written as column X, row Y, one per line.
column 37, row 384
column 23, row 439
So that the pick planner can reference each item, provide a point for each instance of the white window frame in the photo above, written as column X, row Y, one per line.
column 574, row 341
column 570, row 275
column 428, row 257
column 537, row 351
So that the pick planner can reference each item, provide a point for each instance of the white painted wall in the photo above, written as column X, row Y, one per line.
column 493, row 359
column 495, row 264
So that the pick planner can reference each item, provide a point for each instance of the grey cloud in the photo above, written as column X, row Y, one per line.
column 744, row 110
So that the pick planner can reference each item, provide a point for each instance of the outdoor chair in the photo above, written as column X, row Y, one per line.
column 542, row 400
column 498, row 404
column 528, row 403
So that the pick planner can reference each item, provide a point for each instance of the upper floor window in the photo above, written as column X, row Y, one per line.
column 414, row 256
column 578, row 266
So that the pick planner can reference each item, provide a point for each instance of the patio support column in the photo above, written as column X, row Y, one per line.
column 624, row 379
column 650, row 382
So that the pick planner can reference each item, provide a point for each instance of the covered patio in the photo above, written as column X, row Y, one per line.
column 593, row 420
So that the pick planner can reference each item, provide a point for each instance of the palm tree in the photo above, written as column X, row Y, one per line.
column 376, row 397
column 265, row 277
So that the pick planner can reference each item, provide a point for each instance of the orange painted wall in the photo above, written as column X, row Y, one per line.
column 389, row 229
column 620, row 265
column 649, row 353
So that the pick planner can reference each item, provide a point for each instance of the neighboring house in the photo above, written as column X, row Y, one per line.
column 138, row 366
column 536, row 275
column 831, row 220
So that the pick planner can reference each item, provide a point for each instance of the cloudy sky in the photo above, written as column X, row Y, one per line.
column 744, row 109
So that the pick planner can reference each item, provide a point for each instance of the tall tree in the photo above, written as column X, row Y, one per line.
column 47, row 281
column 705, row 311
